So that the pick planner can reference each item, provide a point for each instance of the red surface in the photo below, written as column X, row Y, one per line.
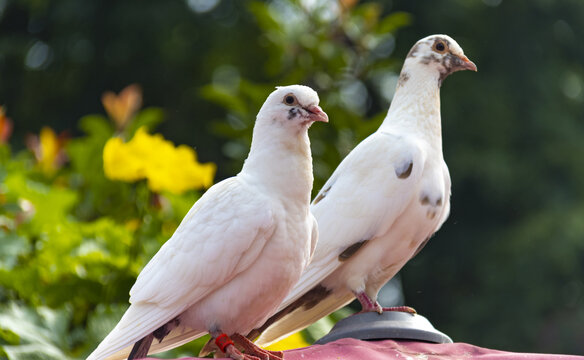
column 352, row 349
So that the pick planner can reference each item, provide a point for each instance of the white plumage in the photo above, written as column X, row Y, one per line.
column 241, row 247
column 383, row 202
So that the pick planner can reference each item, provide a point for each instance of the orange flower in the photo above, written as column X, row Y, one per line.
column 348, row 4
column 122, row 108
column 5, row 126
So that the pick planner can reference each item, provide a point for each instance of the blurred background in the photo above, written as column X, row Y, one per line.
column 505, row 271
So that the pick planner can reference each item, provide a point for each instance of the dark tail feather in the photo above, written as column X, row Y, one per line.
column 141, row 347
column 306, row 301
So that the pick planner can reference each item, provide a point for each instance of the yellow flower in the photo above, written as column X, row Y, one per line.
column 166, row 167
column 293, row 341
column 121, row 108
column 122, row 162
column 48, row 149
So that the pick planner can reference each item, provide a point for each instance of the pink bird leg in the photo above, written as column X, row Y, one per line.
column 368, row 305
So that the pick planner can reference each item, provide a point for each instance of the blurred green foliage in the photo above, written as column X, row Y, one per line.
column 506, row 269
column 72, row 243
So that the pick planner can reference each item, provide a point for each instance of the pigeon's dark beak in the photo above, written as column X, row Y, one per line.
column 316, row 113
column 465, row 64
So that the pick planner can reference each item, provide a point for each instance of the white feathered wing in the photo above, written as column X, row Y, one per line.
column 211, row 246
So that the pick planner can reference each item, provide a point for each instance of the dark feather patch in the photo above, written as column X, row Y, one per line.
column 351, row 250
column 404, row 171
column 307, row 301
column 403, row 78
column 450, row 63
column 141, row 347
column 425, row 200
column 312, row 297
column 292, row 113
column 413, row 51
column 430, row 58
column 321, row 196
column 165, row 329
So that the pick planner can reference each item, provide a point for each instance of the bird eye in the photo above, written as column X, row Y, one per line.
column 290, row 100
column 439, row 46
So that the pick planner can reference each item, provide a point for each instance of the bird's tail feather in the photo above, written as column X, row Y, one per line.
column 302, row 313
column 177, row 337
column 137, row 322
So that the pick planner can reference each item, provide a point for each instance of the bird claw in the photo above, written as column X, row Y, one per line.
column 277, row 354
column 368, row 305
column 235, row 354
column 405, row 309
column 255, row 351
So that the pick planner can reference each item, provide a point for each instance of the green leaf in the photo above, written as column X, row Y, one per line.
column 41, row 334
column 149, row 118
column 393, row 22
column 96, row 126
column 262, row 15
column 33, row 352
column 11, row 247
column 225, row 98
column 51, row 204
column 86, row 152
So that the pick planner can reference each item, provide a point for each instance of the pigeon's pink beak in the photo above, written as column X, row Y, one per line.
column 467, row 64
column 316, row 113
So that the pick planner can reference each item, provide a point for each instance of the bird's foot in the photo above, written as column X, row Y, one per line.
column 235, row 354
column 252, row 349
column 406, row 309
column 369, row 305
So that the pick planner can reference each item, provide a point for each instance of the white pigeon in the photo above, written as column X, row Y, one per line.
column 238, row 251
column 382, row 203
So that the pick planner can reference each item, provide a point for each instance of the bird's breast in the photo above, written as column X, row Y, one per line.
column 397, row 238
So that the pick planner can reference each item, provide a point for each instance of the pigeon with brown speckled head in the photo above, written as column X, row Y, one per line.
column 383, row 202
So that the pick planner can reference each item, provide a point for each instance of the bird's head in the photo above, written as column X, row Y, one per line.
column 441, row 54
column 294, row 106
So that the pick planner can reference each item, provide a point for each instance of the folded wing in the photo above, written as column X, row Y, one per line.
column 221, row 236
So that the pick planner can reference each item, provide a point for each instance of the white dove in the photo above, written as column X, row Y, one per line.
column 382, row 203
column 238, row 251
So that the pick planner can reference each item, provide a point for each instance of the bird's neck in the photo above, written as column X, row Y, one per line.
column 416, row 105
column 280, row 163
